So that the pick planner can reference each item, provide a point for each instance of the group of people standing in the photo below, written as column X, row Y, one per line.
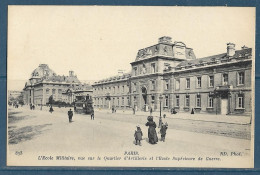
column 152, row 134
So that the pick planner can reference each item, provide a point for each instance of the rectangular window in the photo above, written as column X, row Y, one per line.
column 241, row 78
column 117, row 101
column 128, row 101
column 177, row 84
column 153, row 68
column 211, row 81
column 210, row 105
column 123, row 89
column 198, row 101
column 187, row 83
column 152, row 85
column 240, row 101
column 118, row 89
column 166, row 101
column 114, row 90
column 198, row 82
column 152, row 98
column 225, row 79
column 123, row 101
column 166, row 84
column 177, row 100
column 135, row 71
column 134, row 87
column 53, row 91
column 187, row 100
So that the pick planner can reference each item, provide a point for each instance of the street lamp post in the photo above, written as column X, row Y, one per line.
column 160, row 98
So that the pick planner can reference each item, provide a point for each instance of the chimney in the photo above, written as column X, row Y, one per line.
column 165, row 39
column 244, row 47
column 71, row 73
column 230, row 49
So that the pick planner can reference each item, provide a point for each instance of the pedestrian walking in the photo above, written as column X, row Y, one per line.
column 92, row 114
column 163, row 131
column 151, row 110
column 134, row 110
column 70, row 114
column 138, row 135
column 192, row 111
column 113, row 109
column 164, row 115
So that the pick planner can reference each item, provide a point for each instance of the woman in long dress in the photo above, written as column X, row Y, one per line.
column 152, row 135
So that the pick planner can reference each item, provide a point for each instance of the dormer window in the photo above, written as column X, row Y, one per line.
column 166, row 66
column 152, row 67
column 225, row 79
column 135, row 71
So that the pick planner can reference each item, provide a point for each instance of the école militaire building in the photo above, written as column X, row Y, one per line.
column 44, row 82
column 169, row 73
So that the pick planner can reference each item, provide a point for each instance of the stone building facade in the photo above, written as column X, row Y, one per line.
column 44, row 82
column 169, row 75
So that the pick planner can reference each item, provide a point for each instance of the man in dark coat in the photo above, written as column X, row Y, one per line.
column 70, row 114
column 152, row 135
column 92, row 114
column 192, row 111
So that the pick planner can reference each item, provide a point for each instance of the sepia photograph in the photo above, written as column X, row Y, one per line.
column 131, row 86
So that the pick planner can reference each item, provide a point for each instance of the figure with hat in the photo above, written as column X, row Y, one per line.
column 152, row 135
column 163, row 131
column 70, row 114
column 138, row 135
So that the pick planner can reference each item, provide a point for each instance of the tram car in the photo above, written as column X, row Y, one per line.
column 84, row 106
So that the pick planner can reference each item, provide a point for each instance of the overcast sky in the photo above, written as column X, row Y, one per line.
column 97, row 41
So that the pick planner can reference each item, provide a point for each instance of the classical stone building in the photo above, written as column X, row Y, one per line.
column 44, row 82
column 169, row 75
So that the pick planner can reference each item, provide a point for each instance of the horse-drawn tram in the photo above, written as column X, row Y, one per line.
column 84, row 106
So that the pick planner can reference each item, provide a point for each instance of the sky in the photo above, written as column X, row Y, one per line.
column 97, row 41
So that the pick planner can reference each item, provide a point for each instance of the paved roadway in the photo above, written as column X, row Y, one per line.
column 40, row 132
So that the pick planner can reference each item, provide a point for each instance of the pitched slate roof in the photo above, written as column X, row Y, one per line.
column 213, row 58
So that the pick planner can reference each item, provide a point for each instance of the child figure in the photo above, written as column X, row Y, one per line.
column 163, row 131
column 138, row 135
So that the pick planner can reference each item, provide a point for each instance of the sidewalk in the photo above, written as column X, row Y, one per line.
column 231, row 119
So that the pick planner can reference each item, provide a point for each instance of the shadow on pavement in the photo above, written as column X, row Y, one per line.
column 16, row 136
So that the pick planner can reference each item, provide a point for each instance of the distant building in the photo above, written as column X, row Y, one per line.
column 14, row 94
column 44, row 82
column 170, row 74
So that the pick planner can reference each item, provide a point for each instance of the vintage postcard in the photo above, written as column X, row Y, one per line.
column 131, row 86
